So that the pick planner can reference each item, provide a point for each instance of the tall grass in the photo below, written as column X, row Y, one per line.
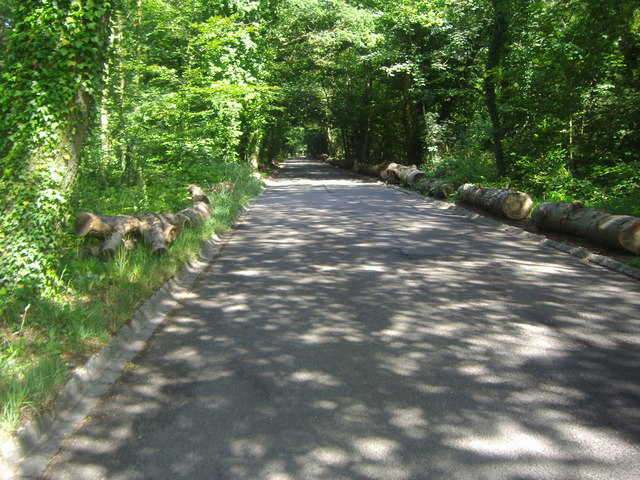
column 41, row 339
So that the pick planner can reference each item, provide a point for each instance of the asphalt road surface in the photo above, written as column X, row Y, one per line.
column 349, row 330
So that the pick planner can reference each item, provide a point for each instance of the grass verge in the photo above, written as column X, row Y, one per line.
column 42, row 339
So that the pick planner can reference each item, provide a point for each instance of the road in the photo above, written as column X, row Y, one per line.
column 349, row 330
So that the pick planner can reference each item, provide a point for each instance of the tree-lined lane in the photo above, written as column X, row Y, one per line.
column 349, row 330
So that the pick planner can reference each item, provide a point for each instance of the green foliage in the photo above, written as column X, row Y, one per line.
column 459, row 170
column 174, row 111
column 53, row 52
column 114, row 107
column 40, row 339
column 52, row 67
column 29, row 386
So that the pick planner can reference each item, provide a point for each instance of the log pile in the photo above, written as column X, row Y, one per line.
column 156, row 231
column 410, row 176
column 616, row 231
column 506, row 203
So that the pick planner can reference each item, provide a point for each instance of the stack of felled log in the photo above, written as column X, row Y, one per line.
column 155, row 230
column 614, row 231
column 410, row 176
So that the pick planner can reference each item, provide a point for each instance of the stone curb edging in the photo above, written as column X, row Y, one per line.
column 519, row 232
column 26, row 454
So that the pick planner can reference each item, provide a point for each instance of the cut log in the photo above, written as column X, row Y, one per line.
column 101, row 226
column 407, row 175
column 128, row 244
column 615, row 231
column 508, row 203
column 372, row 170
column 411, row 175
column 195, row 214
column 375, row 170
column 159, row 230
column 392, row 173
column 155, row 230
column 197, row 194
column 110, row 246
column 436, row 188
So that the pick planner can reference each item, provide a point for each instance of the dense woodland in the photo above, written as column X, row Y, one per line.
column 115, row 106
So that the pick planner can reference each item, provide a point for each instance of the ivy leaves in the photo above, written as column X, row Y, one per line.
column 53, row 51
column 53, row 66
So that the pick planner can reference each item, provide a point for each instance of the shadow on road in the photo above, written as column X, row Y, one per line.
column 349, row 331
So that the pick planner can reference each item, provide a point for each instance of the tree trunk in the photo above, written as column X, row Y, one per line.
column 508, row 203
column 47, row 106
column 102, row 226
column 195, row 214
column 365, row 144
column 436, row 188
column 497, row 42
column 413, row 147
column 615, row 231
column 372, row 170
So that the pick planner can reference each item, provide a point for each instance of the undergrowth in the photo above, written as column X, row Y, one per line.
column 42, row 339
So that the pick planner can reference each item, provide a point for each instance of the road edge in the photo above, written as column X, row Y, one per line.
column 577, row 252
column 27, row 452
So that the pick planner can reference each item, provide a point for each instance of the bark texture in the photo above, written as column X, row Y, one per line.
column 372, row 170
column 615, row 231
column 508, row 203
column 155, row 230
column 407, row 175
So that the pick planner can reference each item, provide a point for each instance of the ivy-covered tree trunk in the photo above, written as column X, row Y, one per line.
column 53, row 70
column 63, row 153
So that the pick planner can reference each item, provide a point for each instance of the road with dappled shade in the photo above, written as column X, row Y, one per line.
column 349, row 330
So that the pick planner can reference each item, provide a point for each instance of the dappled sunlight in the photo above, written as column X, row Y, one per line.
column 351, row 331
column 308, row 182
column 510, row 440
column 314, row 379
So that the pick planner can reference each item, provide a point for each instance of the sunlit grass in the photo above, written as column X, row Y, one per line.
column 41, row 340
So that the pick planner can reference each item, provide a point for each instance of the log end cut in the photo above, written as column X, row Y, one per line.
column 84, row 223
column 197, row 194
column 517, row 205
column 629, row 238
